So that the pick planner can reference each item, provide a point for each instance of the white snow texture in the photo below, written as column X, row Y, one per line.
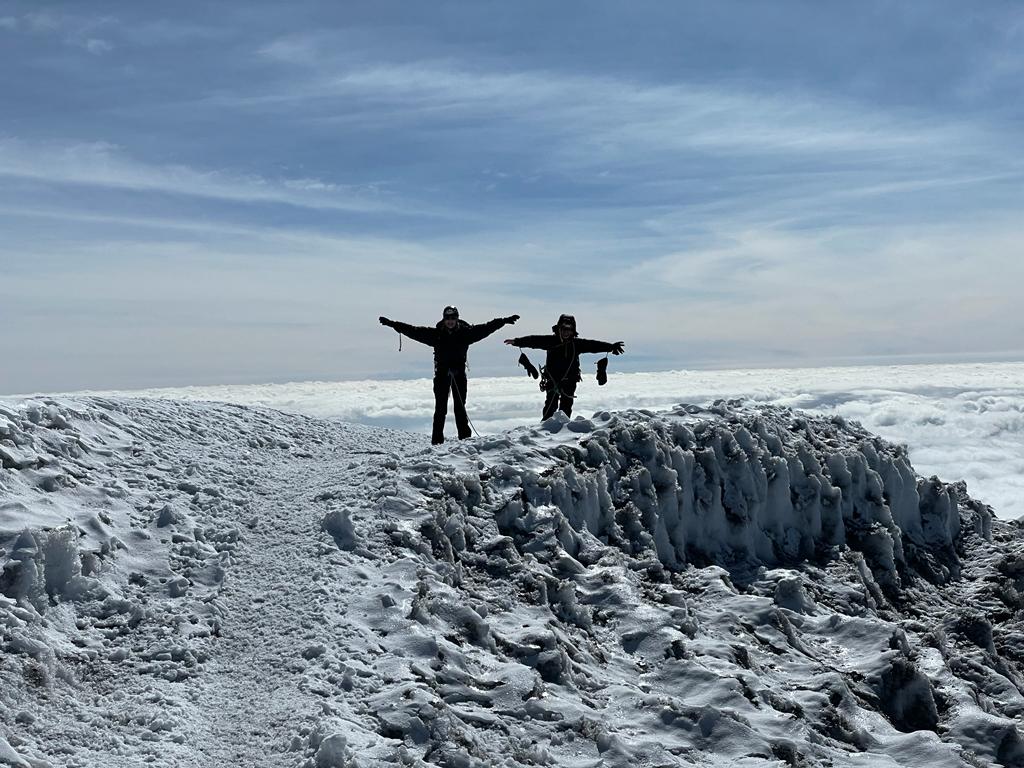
column 200, row 584
column 961, row 422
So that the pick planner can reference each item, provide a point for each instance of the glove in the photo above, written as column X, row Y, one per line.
column 384, row 321
column 617, row 348
column 602, row 371
column 510, row 319
column 530, row 368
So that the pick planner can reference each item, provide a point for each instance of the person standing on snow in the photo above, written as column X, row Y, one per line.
column 450, row 339
column 562, row 368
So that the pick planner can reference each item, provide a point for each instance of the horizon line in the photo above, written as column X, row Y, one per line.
column 873, row 361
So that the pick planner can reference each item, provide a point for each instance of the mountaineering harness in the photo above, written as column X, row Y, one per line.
column 546, row 382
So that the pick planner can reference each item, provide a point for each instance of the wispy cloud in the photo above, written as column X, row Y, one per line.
column 97, row 47
column 613, row 117
column 188, row 258
column 79, row 29
column 893, row 291
column 87, row 32
column 104, row 165
column 1000, row 66
column 787, row 157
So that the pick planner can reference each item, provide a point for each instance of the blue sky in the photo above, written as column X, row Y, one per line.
column 233, row 193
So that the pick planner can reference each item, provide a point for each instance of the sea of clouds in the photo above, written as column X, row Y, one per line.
column 960, row 422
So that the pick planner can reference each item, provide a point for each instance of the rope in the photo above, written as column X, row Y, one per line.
column 455, row 390
column 560, row 393
column 558, row 390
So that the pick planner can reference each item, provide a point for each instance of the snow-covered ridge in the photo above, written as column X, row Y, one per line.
column 202, row 584
column 961, row 421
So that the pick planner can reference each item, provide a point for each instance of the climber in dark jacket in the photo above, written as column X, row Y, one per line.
column 562, row 367
column 450, row 339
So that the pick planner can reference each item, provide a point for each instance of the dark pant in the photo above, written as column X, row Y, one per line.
column 559, row 397
column 454, row 382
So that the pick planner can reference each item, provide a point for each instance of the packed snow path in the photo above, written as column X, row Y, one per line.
column 202, row 617
column 724, row 586
column 283, row 595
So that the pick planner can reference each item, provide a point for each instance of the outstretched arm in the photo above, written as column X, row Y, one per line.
column 590, row 345
column 482, row 331
column 533, row 342
column 421, row 333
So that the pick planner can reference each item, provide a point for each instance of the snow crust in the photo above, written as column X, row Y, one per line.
column 961, row 422
column 199, row 584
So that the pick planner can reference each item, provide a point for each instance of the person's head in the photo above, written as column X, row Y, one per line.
column 565, row 327
column 450, row 317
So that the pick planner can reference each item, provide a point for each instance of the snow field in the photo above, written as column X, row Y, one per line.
column 192, row 584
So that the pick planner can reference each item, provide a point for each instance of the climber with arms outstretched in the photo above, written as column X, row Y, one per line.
column 561, row 370
column 450, row 338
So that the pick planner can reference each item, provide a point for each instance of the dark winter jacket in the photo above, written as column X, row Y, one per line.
column 450, row 347
column 563, row 358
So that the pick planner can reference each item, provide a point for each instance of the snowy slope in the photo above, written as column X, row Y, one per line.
column 197, row 584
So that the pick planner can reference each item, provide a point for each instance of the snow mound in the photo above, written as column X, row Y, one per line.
column 207, row 585
column 744, row 489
